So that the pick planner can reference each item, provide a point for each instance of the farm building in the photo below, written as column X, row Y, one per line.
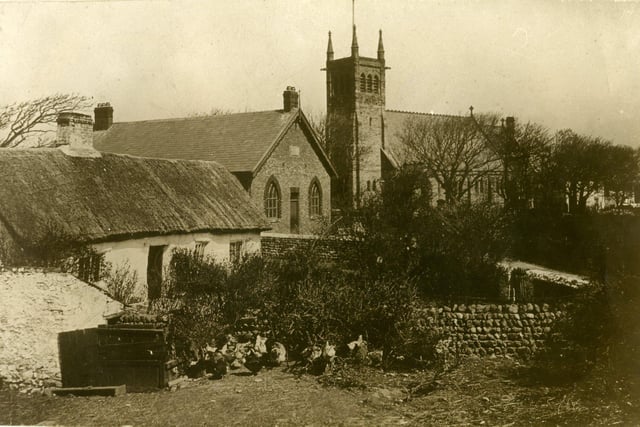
column 132, row 211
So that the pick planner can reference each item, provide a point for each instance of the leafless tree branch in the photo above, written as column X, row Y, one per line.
column 19, row 122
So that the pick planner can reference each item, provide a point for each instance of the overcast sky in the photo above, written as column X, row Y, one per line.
column 562, row 64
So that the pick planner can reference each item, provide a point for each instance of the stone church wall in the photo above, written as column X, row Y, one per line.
column 294, row 164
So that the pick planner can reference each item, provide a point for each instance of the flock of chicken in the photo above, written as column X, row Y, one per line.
column 230, row 354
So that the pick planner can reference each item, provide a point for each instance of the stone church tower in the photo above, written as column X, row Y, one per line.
column 355, row 121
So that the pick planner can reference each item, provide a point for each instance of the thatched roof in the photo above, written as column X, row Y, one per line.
column 239, row 141
column 118, row 196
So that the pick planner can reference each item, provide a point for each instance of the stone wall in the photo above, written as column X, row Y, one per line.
column 275, row 245
column 494, row 329
column 36, row 306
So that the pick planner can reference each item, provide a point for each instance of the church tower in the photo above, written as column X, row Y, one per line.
column 355, row 121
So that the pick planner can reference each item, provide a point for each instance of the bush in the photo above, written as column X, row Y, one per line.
column 121, row 283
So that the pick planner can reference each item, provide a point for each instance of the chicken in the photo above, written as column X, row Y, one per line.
column 254, row 358
column 319, row 358
column 359, row 349
column 277, row 354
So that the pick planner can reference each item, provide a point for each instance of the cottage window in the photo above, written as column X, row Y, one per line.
column 89, row 267
column 315, row 198
column 363, row 82
column 199, row 250
column 235, row 251
column 369, row 83
column 272, row 199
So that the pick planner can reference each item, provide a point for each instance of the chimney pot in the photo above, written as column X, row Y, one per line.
column 291, row 99
column 103, row 116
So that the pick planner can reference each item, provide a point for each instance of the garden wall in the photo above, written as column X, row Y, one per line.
column 36, row 306
column 494, row 329
column 275, row 245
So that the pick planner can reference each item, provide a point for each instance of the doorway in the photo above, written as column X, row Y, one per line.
column 154, row 271
column 294, row 210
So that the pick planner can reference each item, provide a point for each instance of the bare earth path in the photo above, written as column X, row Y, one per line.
column 479, row 392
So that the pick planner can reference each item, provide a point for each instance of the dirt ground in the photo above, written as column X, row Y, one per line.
column 478, row 392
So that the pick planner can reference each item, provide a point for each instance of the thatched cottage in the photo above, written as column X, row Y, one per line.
column 131, row 210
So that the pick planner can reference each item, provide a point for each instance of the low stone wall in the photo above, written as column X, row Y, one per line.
column 36, row 306
column 517, row 330
column 275, row 245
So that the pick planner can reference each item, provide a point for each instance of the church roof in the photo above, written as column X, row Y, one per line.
column 240, row 141
column 117, row 197
column 394, row 122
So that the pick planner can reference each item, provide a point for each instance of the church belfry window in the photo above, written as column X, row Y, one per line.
column 369, row 83
column 376, row 84
column 363, row 83
column 272, row 199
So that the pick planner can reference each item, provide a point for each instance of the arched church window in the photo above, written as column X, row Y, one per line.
column 376, row 84
column 272, row 199
column 315, row 198
column 369, row 83
column 363, row 83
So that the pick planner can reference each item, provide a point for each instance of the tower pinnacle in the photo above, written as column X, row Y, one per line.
column 380, row 47
column 330, row 49
column 354, row 43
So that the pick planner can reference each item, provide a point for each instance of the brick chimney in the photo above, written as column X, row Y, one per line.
column 75, row 134
column 103, row 114
column 291, row 99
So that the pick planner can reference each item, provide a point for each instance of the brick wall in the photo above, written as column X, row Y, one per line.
column 494, row 329
column 294, row 163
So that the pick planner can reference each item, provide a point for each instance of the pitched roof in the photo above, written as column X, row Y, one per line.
column 237, row 141
column 118, row 196
column 394, row 123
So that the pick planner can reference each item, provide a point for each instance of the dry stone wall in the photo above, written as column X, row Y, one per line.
column 517, row 330
column 275, row 245
column 36, row 306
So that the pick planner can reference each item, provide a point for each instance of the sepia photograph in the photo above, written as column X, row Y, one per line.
column 319, row 212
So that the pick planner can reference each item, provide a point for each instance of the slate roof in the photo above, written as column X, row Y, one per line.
column 238, row 141
column 118, row 196
column 394, row 122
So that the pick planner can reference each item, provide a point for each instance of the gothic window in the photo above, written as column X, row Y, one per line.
column 315, row 198
column 376, row 84
column 272, row 199
column 363, row 83
column 369, row 83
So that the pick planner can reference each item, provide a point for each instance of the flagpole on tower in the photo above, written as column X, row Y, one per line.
column 353, row 13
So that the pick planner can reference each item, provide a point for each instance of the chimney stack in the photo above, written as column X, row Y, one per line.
column 75, row 134
column 103, row 116
column 291, row 99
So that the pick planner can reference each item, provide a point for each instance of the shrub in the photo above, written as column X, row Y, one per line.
column 121, row 283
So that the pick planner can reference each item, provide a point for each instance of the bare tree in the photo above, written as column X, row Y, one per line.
column 524, row 151
column 453, row 150
column 215, row 111
column 32, row 120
